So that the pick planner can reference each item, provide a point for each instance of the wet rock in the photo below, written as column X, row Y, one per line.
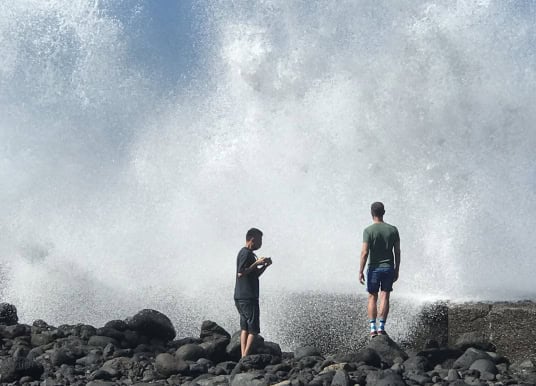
column 64, row 355
column 233, row 348
column 167, row 365
column 111, row 333
column 119, row 325
column 14, row 331
column 468, row 357
column 249, row 379
column 211, row 330
column 417, row 363
column 12, row 369
column 484, row 365
column 8, row 314
column 384, row 378
column 102, row 341
column 367, row 356
column 387, row 349
column 474, row 339
column 257, row 361
column 152, row 324
column 340, row 378
column 41, row 339
column 190, row 352
column 306, row 351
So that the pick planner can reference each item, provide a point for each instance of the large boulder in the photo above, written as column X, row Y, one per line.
column 484, row 365
column 119, row 325
column 211, row 330
column 233, row 348
column 13, row 331
column 101, row 341
column 8, row 314
column 152, row 324
column 387, row 349
column 437, row 356
column 166, row 365
column 190, row 352
column 384, row 378
column 257, row 361
column 474, row 339
column 12, row 369
column 417, row 363
column 469, row 357
column 215, row 341
column 368, row 356
column 306, row 351
column 510, row 324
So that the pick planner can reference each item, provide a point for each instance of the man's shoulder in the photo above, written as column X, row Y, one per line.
column 244, row 252
column 379, row 226
column 391, row 226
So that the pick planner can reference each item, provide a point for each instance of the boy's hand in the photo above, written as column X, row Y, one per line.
column 361, row 277
column 265, row 261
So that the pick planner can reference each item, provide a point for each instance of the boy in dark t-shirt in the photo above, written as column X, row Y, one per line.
column 246, row 294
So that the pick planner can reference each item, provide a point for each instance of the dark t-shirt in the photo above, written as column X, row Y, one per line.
column 381, row 238
column 247, row 286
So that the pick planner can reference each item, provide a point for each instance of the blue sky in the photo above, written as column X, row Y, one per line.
column 161, row 35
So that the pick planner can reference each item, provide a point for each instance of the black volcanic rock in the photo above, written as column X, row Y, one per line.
column 123, row 353
column 468, row 357
column 387, row 349
column 152, row 324
column 12, row 369
column 211, row 330
column 190, row 352
column 8, row 314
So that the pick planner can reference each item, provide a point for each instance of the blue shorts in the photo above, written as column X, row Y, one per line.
column 380, row 278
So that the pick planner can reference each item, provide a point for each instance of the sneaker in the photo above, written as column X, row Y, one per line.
column 382, row 332
column 373, row 333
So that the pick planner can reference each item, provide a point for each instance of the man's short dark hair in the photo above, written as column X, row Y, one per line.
column 253, row 233
column 377, row 209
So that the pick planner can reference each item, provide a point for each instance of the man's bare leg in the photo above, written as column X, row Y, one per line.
column 249, row 343
column 372, row 307
column 384, row 310
column 384, row 304
column 243, row 342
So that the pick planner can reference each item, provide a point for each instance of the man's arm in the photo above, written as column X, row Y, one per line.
column 397, row 259
column 253, row 267
column 267, row 262
column 364, row 257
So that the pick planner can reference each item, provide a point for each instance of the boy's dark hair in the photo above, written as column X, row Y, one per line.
column 377, row 209
column 253, row 233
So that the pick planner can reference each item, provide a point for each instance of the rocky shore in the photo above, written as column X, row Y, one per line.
column 144, row 350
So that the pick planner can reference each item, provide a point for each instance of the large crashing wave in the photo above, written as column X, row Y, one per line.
column 123, row 190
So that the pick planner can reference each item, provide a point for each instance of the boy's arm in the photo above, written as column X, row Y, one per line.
column 397, row 259
column 253, row 267
column 363, row 262
column 265, row 265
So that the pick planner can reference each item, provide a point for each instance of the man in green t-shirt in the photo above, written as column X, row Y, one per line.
column 380, row 240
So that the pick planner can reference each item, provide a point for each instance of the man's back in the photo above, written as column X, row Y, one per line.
column 381, row 238
column 247, row 286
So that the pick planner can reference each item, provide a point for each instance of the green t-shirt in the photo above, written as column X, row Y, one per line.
column 381, row 238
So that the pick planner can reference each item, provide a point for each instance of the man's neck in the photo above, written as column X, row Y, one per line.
column 377, row 220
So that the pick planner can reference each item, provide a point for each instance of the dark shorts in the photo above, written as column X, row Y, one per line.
column 380, row 278
column 249, row 315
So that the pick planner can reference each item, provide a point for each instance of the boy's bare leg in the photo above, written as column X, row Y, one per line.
column 372, row 307
column 384, row 305
column 250, row 339
column 243, row 342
